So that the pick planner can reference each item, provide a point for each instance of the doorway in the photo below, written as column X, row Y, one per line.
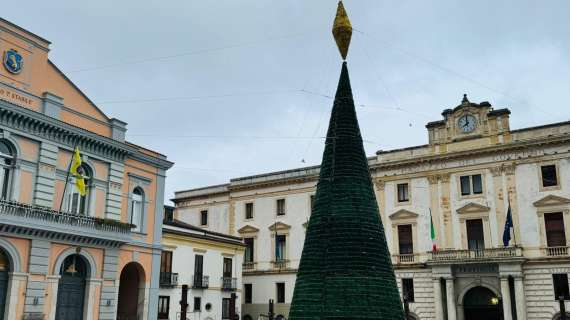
column 481, row 303
column 71, row 288
column 131, row 292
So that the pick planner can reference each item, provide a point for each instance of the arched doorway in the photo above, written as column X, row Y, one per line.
column 131, row 292
column 71, row 288
column 4, row 269
column 481, row 303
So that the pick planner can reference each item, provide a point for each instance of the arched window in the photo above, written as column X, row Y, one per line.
column 137, row 209
column 77, row 203
column 6, row 168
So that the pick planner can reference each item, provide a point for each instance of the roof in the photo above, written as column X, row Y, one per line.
column 185, row 229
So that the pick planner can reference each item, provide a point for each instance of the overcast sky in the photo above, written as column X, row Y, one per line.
column 222, row 86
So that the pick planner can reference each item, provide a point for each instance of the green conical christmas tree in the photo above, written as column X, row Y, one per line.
column 345, row 270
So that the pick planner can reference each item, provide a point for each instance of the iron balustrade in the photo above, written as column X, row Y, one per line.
column 229, row 284
column 479, row 254
column 200, row 281
column 280, row 264
column 47, row 215
column 248, row 266
column 168, row 279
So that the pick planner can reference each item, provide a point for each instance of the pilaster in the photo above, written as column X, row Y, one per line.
column 445, row 206
column 38, row 268
column 109, row 288
column 44, row 189
column 115, row 191
column 435, row 209
column 506, row 294
column 511, row 183
column 451, row 305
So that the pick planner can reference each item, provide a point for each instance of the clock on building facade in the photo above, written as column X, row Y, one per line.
column 467, row 123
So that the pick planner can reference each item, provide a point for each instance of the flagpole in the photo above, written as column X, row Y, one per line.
column 68, row 173
column 514, row 232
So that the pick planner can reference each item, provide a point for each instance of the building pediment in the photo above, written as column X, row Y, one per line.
column 248, row 229
column 473, row 207
column 279, row 226
column 403, row 214
column 551, row 200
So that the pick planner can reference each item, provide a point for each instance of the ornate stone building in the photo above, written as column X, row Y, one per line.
column 473, row 168
column 64, row 254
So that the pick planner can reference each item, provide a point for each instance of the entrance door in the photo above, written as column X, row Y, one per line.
column 4, row 268
column 3, row 291
column 475, row 237
column 481, row 304
column 71, row 289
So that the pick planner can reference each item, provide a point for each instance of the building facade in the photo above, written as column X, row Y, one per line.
column 64, row 255
column 466, row 178
column 202, row 269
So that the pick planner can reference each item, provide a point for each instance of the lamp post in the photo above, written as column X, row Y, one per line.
column 270, row 314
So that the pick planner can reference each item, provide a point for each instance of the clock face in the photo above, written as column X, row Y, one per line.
column 467, row 123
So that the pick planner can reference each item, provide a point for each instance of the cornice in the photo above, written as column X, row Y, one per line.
column 44, row 127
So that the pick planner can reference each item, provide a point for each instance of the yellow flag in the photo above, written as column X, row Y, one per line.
column 76, row 171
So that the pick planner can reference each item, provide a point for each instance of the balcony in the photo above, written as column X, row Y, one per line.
column 200, row 281
column 27, row 219
column 248, row 266
column 556, row 251
column 229, row 284
column 168, row 279
column 405, row 258
column 280, row 264
column 460, row 256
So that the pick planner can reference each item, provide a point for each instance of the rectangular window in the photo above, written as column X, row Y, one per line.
column 406, row 243
column 168, row 215
column 249, row 246
column 247, row 288
column 403, row 194
column 549, row 176
column 166, row 261
column 249, row 210
column 280, row 207
column 204, row 217
column 197, row 303
column 408, row 289
column 280, row 287
column 227, row 268
column 471, row 184
column 225, row 308
column 554, row 225
column 280, row 246
column 477, row 184
column 560, row 282
column 475, row 235
column 163, row 307
column 199, row 264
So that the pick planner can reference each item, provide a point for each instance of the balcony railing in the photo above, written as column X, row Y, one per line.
column 37, row 217
column 200, row 281
column 228, row 283
column 556, row 251
column 168, row 279
column 405, row 258
column 280, row 264
column 248, row 266
column 480, row 254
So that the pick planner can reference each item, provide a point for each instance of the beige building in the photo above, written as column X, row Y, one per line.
column 472, row 170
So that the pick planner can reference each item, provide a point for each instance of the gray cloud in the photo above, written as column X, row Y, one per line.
column 419, row 56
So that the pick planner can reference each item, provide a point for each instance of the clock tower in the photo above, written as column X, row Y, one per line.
column 467, row 122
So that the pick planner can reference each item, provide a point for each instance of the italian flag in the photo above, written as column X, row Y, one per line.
column 433, row 244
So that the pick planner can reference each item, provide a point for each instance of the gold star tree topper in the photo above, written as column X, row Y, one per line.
column 342, row 30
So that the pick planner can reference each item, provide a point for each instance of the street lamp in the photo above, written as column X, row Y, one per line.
column 562, row 308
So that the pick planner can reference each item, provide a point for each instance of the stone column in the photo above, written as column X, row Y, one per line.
column 90, row 289
column 438, row 299
column 506, row 294
column 451, row 307
column 520, row 298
